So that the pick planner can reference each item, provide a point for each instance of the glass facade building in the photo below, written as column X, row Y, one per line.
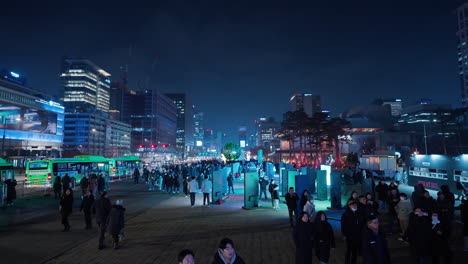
column 31, row 122
column 86, row 86
column 309, row 102
column 185, row 131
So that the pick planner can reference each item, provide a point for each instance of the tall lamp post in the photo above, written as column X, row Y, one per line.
column 4, row 131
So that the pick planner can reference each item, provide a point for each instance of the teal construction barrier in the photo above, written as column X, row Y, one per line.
column 218, row 186
column 322, row 185
column 251, row 191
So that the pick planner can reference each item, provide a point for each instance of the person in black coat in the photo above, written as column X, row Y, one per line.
column 304, row 199
column 419, row 235
column 66, row 205
column 374, row 244
column 101, row 183
column 372, row 205
column 84, row 185
column 440, row 240
column 304, row 239
column 291, row 201
column 57, row 187
column 351, row 226
column 463, row 207
column 426, row 203
column 270, row 189
column 11, row 191
column 102, row 208
column 230, row 181
column 323, row 237
column 363, row 208
column 86, row 206
column 226, row 253
column 116, row 222
column 263, row 184
column 382, row 192
column 417, row 194
column 65, row 182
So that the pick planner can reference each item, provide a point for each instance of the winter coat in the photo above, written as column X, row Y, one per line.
column 382, row 191
column 101, row 183
column 417, row 194
column 66, row 181
column 57, row 184
column 229, row 180
column 309, row 208
column 275, row 194
column 291, row 200
column 403, row 209
column 393, row 200
column 87, row 203
column 304, row 240
column 373, row 208
column 11, row 188
column 136, row 173
column 116, row 220
column 84, row 183
column 102, row 208
column 440, row 240
column 351, row 225
column 374, row 247
column 193, row 186
column 419, row 235
column 263, row 184
column 303, row 202
column 427, row 205
column 218, row 259
column 463, row 207
column 445, row 209
column 206, row 186
column 66, row 204
column 324, row 240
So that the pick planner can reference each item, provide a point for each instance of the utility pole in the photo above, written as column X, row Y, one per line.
column 425, row 138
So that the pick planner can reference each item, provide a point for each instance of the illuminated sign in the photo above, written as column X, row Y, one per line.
column 199, row 143
column 307, row 94
column 14, row 74
column 242, row 144
column 262, row 119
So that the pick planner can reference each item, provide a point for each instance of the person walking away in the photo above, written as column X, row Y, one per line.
column 136, row 176
column 351, row 227
column 445, row 211
column 419, row 236
column 463, row 207
column 116, row 222
column 57, row 187
column 461, row 191
column 263, row 184
column 108, row 180
column 206, row 189
column 374, row 244
column 230, row 181
column 10, row 191
column 152, row 180
column 102, row 208
column 426, row 203
column 440, row 241
column 304, row 199
column 403, row 210
column 101, row 184
column 84, row 185
column 382, row 191
column 176, row 183
column 270, row 189
column 291, row 201
column 93, row 187
column 185, row 186
column 304, row 239
column 275, row 197
column 324, row 238
column 66, row 205
column 86, row 206
column 226, row 253
column 65, row 182
column 186, row 256
column 309, row 208
column 393, row 200
column 193, row 189
column 417, row 195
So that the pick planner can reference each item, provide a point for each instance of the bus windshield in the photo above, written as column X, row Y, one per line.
column 38, row 165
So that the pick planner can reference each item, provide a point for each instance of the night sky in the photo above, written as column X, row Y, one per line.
column 239, row 60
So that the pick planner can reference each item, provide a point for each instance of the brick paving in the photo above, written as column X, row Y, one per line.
column 159, row 225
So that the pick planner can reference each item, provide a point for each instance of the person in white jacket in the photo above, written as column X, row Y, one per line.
column 193, row 188
column 206, row 189
column 309, row 208
column 403, row 209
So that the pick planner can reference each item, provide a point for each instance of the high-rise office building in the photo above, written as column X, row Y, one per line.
column 185, row 131
column 199, row 125
column 87, row 86
column 310, row 103
column 153, row 117
column 396, row 106
column 243, row 136
column 267, row 129
column 462, row 51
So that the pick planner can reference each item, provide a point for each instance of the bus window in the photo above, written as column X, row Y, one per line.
column 38, row 165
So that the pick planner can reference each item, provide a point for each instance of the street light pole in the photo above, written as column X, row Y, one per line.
column 4, row 130
column 425, row 138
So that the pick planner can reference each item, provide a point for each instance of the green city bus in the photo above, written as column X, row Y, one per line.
column 40, row 172
column 122, row 166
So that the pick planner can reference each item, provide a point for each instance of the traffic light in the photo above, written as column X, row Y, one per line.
column 164, row 145
column 140, row 146
column 153, row 146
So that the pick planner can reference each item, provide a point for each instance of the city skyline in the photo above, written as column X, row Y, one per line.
column 228, row 57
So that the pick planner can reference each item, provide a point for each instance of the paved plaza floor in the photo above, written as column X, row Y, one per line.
column 159, row 225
